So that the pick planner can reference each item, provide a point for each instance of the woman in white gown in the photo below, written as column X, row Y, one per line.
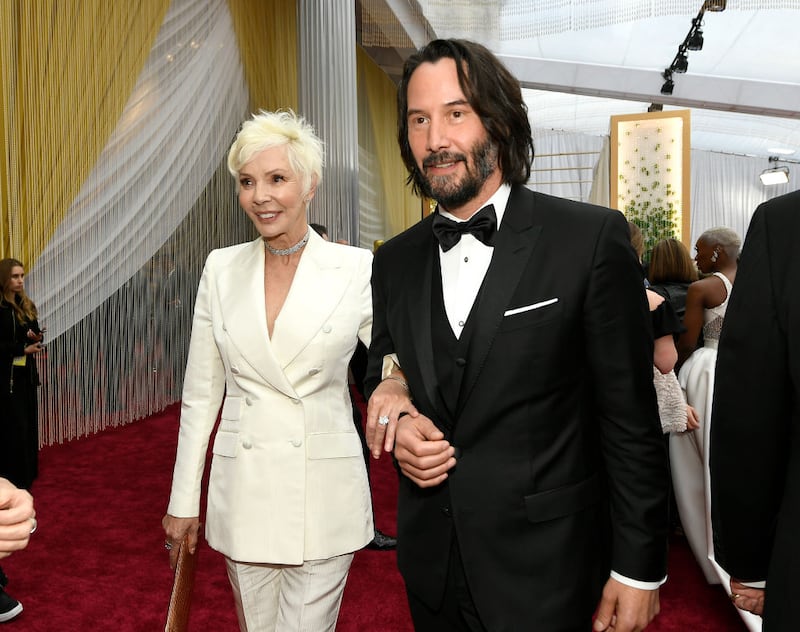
column 706, row 301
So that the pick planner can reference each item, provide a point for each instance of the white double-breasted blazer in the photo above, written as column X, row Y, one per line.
column 288, row 482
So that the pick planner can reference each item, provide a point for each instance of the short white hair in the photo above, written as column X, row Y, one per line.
column 723, row 236
column 264, row 130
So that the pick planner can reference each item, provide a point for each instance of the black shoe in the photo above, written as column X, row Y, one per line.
column 382, row 542
column 3, row 579
column 9, row 607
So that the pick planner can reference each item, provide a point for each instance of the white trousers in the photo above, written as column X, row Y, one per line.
column 284, row 598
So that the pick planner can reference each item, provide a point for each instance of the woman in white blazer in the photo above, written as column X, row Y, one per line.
column 276, row 322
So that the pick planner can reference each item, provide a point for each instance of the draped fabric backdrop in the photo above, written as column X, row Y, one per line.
column 116, row 118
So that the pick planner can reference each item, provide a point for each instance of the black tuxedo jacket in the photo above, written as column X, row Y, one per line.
column 755, row 424
column 562, row 470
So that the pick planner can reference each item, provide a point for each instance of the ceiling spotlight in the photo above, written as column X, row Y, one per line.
column 695, row 40
column 669, row 85
column 681, row 63
column 778, row 175
column 714, row 5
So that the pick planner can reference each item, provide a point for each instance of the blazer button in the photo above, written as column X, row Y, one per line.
column 461, row 362
column 313, row 371
column 248, row 401
column 446, row 511
column 246, row 444
column 297, row 443
column 295, row 401
column 235, row 370
column 327, row 328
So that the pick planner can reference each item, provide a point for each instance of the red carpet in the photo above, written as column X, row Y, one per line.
column 97, row 560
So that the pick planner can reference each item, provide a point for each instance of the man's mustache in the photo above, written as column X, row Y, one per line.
column 444, row 156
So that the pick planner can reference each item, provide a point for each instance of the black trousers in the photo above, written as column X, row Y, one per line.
column 457, row 612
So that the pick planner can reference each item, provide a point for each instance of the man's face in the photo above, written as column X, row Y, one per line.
column 456, row 159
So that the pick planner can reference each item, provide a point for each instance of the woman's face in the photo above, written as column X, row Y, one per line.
column 272, row 196
column 705, row 251
column 15, row 283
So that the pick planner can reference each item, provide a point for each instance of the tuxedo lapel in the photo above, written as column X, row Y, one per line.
column 316, row 290
column 241, row 293
column 419, row 280
column 514, row 244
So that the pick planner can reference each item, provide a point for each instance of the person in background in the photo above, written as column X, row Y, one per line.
column 675, row 414
column 671, row 271
column 20, row 341
column 637, row 242
column 706, row 303
column 276, row 322
column 755, row 454
column 534, row 479
column 358, row 367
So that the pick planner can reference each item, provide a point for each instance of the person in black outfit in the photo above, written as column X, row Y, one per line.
column 20, row 340
column 670, row 272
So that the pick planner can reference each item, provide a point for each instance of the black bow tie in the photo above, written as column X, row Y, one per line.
column 483, row 225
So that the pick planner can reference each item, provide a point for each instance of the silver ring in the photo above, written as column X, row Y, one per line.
column 383, row 420
column 35, row 524
column 168, row 545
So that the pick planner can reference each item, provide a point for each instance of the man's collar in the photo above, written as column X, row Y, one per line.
column 499, row 200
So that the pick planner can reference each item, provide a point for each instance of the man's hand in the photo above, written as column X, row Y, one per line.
column 389, row 400
column 421, row 451
column 747, row 598
column 624, row 608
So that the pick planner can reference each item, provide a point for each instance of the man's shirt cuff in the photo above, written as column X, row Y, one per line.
column 635, row 583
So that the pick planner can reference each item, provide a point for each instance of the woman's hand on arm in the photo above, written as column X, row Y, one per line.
column 390, row 399
column 175, row 530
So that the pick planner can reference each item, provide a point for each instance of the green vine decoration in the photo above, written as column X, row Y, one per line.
column 647, row 197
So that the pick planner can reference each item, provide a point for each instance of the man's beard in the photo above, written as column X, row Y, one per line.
column 448, row 191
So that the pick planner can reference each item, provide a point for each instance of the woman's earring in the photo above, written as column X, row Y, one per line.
column 715, row 256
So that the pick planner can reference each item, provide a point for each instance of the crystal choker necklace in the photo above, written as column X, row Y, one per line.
column 285, row 252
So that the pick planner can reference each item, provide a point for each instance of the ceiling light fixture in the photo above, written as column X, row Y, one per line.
column 777, row 175
column 693, row 41
column 669, row 85
column 681, row 63
column 714, row 6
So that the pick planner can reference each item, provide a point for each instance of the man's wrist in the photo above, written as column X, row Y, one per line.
column 398, row 379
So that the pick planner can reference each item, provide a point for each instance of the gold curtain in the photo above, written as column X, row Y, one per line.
column 267, row 34
column 64, row 83
column 402, row 207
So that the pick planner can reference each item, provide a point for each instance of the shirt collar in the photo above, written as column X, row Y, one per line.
column 499, row 200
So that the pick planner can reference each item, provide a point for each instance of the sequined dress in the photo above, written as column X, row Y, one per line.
column 689, row 452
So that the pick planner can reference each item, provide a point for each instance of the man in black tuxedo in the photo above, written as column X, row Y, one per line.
column 535, row 475
column 755, row 423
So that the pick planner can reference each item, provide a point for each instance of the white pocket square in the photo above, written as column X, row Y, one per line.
column 528, row 308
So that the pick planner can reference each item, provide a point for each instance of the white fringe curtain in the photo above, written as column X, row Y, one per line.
column 115, row 284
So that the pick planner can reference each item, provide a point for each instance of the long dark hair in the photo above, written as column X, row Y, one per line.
column 21, row 304
column 494, row 94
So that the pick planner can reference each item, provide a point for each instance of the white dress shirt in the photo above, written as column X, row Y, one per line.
column 464, row 266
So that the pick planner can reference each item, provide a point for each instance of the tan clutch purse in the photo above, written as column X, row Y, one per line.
column 182, row 585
